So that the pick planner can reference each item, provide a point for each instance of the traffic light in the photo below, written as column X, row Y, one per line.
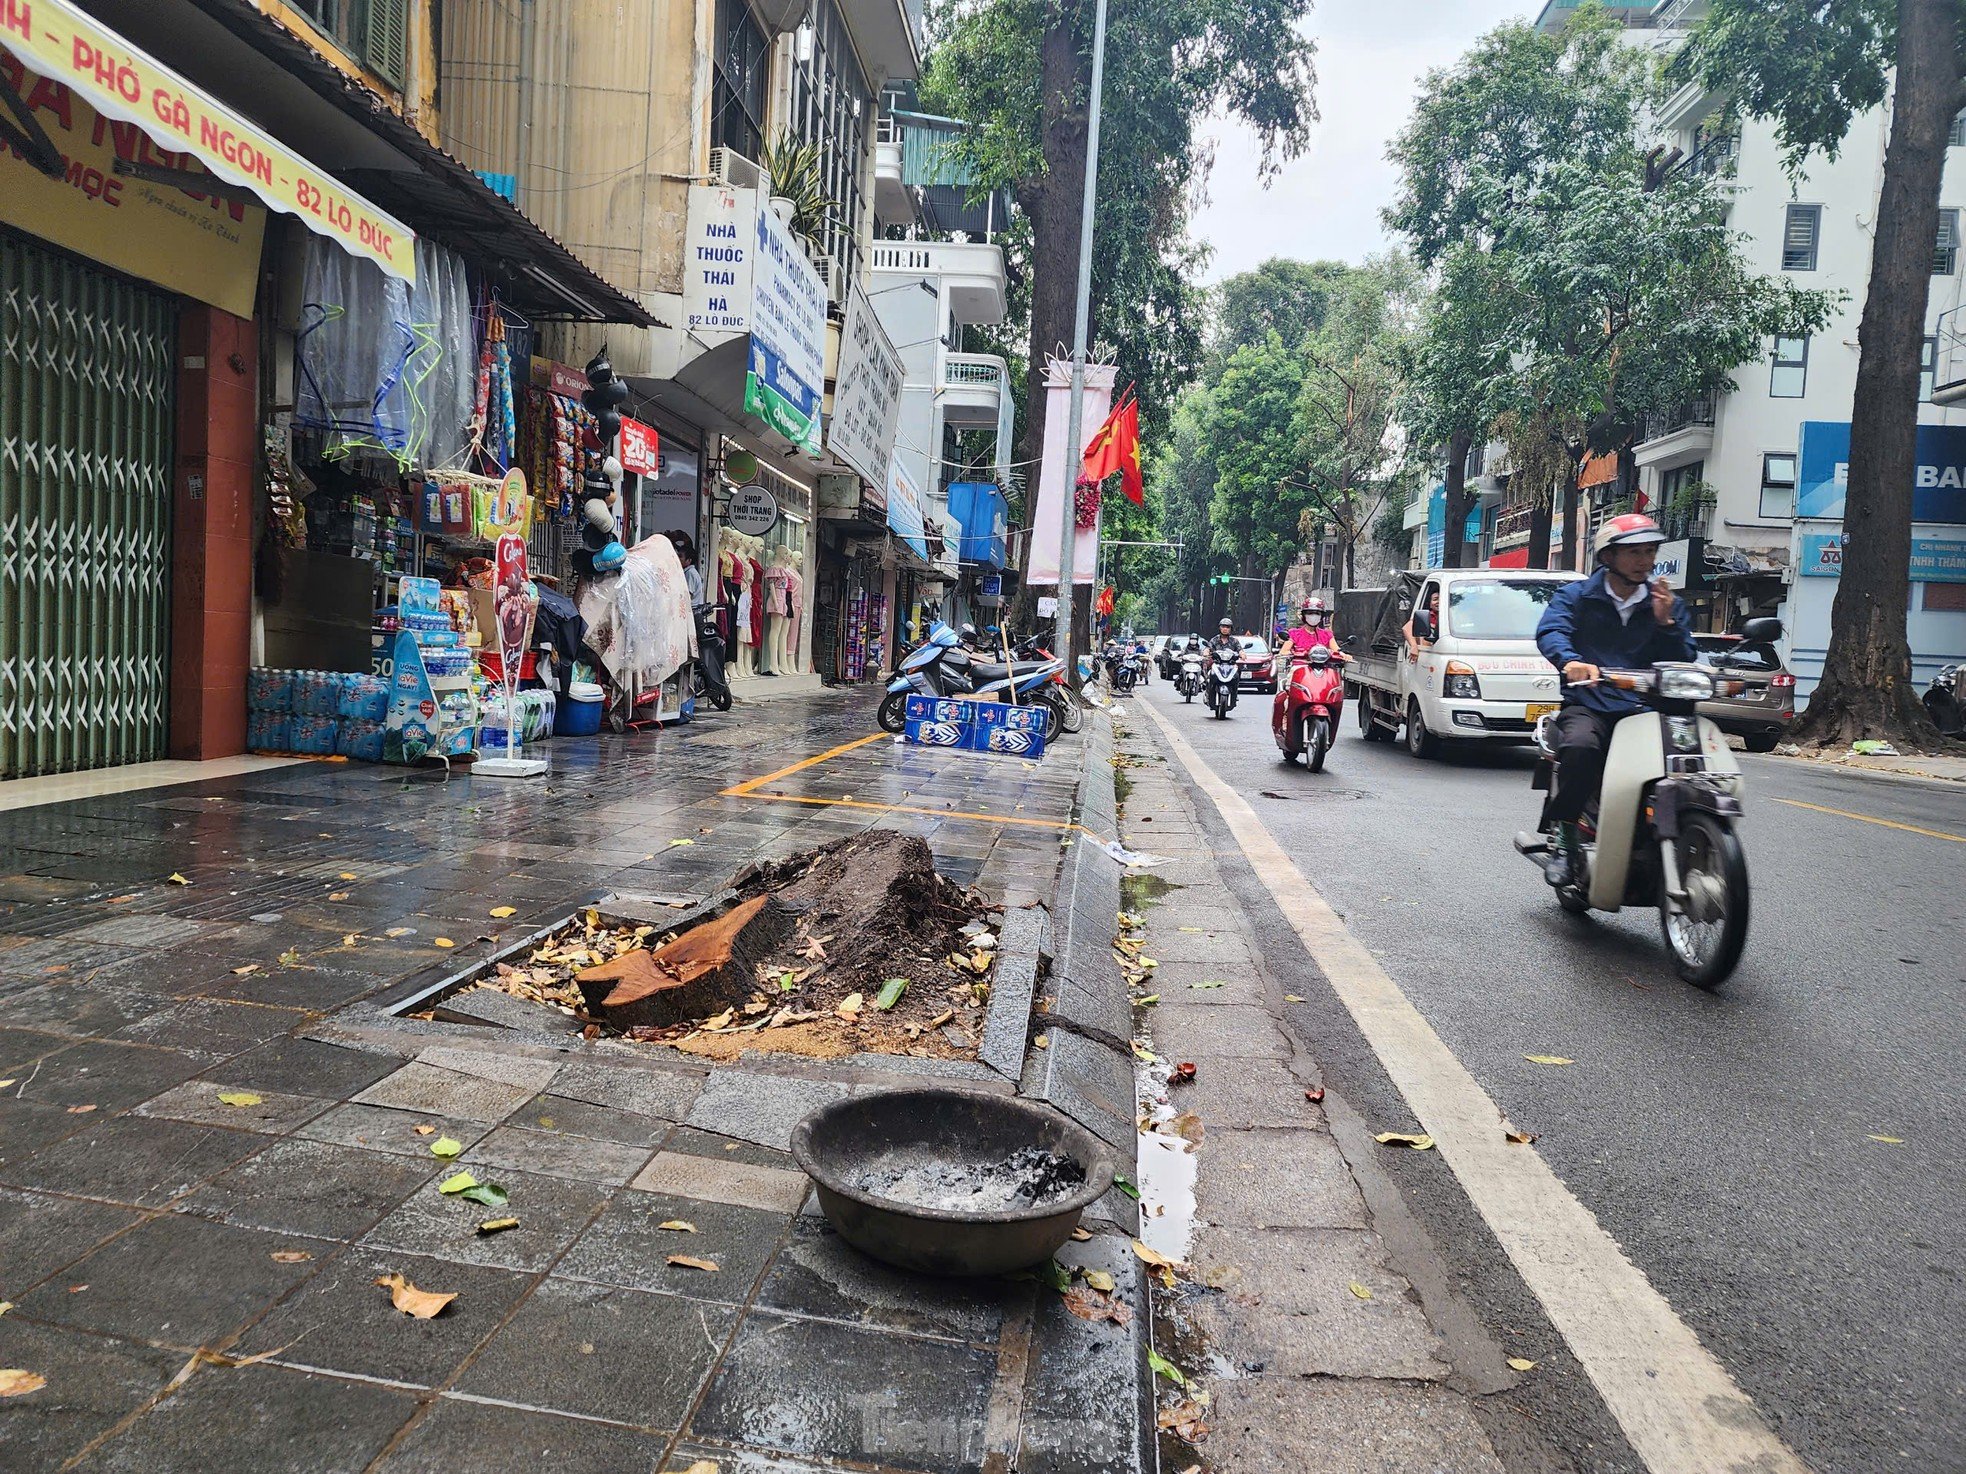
column 1220, row 578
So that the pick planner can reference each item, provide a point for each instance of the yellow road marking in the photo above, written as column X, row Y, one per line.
column 743, row 790
column 1872, row 819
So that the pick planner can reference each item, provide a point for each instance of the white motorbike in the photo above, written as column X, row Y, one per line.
column 1223, row 672
column 1661, row 832
column 1188, row 681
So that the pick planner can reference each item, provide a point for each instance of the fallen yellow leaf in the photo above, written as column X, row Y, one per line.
column 702, row 1466
column 406, row 1297
column 175, row 879
column 5, row 1083
column 1292, row 998
column 424, row 1130
column 1419, row 1143
column 1359, row 1290
column 249, row 968
column 850, row 1006
column 337, row 895
column 1144, row 1055
column 685, row 1261
column 15, row 1382
column 446, row 1146
column 1520, row 1138
column 1890, row 1140
column 399, row 931
column 347, row 875
column 240, row 1098
column 1522, row 1363
column 501, row 912
column 677, row 1225
column 497, row 1225
column 1548, row 1059
column 1099, row 1280
column 291, row 1256
column 5, row 1306
column 1154, row 1257
column 443, row 941
column 1043, row 1041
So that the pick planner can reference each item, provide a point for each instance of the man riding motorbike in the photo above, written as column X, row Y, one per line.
column 1620, row 618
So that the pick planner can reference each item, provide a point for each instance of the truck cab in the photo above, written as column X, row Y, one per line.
column 1481, row 677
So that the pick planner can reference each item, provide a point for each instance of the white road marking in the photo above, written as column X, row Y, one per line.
column 1678, row 1407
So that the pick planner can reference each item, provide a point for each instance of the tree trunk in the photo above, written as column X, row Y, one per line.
column 1539, row 530
column 1053, row 203
column 1570, row 499
column 1866, row 688
column 1452, row 547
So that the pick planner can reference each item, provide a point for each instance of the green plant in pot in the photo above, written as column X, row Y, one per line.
column 792, row 170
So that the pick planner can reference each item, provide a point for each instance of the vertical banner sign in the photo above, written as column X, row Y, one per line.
column 717, row 261
column 787, row 370
column 1056, row 479
column 514, row 605
column 866, row 393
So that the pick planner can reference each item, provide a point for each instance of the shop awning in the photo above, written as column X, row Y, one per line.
column 268, row 73
column 904, row 511
column 56, row 39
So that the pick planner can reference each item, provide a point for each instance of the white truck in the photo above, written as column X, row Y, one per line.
column 1480, row 679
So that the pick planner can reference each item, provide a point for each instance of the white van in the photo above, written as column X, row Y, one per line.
column 1482, row 679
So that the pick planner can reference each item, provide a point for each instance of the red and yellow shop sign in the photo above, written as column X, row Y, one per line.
column 59, row 44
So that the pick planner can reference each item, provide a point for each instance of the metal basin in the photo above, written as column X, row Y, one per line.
column 839, row 1144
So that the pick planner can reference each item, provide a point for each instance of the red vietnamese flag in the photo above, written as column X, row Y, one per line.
column 1115, row 450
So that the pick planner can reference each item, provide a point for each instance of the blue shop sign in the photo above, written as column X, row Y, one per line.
column 1933, row 559
column 1823, row 472
column 982, row 513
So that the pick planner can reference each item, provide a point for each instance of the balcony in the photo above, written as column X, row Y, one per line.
column 892, row 201
column 969, row 275
column 1675, row 438
column 975, row 388
column 1712, row 159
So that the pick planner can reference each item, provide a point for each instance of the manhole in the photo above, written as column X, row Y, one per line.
column 1315, row 793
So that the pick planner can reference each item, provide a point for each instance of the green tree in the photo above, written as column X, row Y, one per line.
column 1812, row 66
column 1020, row 71
column 1289, row 298
column 1250, row 427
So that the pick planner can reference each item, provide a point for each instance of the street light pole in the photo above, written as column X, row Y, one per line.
column 1075, row 422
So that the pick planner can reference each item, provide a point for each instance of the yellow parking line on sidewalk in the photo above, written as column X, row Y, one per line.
column 1872, row 819
column 743, row 790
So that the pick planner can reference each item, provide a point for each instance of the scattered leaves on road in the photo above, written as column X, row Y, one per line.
column 497, row 1225
column 678, row 1225
column 1520, row 1137
column 850, row 1007
column 1125, row 1185
column 290, row 1256
column 1081, row 1235
column 290, row 958
column 501, row 912
column 18, row 1382
column 240, row 1098
column 1165, row 1368
column 1055, row 1275
column 81, row 1110
column 1359, row 1290
column 444, row 1146
column 689, row 1261
column 1184, row 1420
column 1145, row 1055
column 1146, row 1000
column 399, row 931
column 486, row 1195
column 1890, row 1140
column 1292, row 998
column 424, row 1130
column 457, row 1182
column 175, row 879
column 406, row 1297
column 1099, row 1280
column 1522, row 1363
column 1201, row 987
column 444, row 942
column 247, row 971
column 1548, row 1059
column 1154, row 1257
column 1418, row 1141
column 337, row 895
column 1093, row 1306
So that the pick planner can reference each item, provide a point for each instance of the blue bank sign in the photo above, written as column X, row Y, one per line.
column 1823, row 472
column 1933, row 559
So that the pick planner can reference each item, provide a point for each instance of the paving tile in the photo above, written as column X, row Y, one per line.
column 1246, row 1092
column 25, row 1128
column 208, row 1026
column 291, row 1422
column 758, row 1107
column 308, row 1067
column 819, row 1274
column 21, row 1047
column 505, row 1440
column 625, row 1246
column 564, row 1116
column 551, row 1214
column 78, row 1009
column 559, row 1155
column 603, row 1352
column 111, row 1077
column 317, row 989
column 522, row 1072
column 40, row 1233
column 128, row 1159
column 176, row 1280
column 311, row 1187
column 1358, row 1427
column 424, row 1087
column 651, row 1092
column 1263, row 1178
column 1086, row 1393
column 686, row 1176
column 93, row 1383
column 342, row 1321
column 690, row 1140
column 1228, row 1030
column 198, row 1100
column 815, row 1387
column 379, row 1128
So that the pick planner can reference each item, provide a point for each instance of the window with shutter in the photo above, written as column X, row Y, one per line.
column 1945, row 255
column 1956, row 135
column 1800, row 231
column 385, row 37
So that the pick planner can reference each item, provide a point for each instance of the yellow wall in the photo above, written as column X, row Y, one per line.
column 421, row 52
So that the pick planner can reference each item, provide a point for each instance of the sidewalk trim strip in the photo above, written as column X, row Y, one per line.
column 1678, row 1407
column 1796, row 803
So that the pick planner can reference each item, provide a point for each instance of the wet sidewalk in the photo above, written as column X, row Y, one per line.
column 215, row 1138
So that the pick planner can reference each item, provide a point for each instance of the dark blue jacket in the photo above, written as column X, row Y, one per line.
column 1582, row 623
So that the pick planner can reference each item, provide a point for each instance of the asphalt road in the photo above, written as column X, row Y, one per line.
column 1724, row 1140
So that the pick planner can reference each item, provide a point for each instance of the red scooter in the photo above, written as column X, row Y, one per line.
column 1304, row 716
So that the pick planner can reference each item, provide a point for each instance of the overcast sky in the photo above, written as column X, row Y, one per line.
column 1326, row 203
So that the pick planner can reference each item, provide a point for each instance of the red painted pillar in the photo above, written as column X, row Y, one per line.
column 212, row 531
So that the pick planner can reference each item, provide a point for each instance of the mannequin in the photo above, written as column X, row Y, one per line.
column 781, row 581
column 740, row 576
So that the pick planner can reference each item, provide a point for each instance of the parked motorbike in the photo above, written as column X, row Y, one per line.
column 1304, row 714
column 939, row 666
column 1945, row 701
column 1223, row 671
column 711, row 683
column 1661, row 831
column 1126, row 670
column 1187, row 679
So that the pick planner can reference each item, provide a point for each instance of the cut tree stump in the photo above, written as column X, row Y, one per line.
column 707, row 969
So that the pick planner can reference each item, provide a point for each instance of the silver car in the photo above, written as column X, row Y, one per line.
column 1765, row 706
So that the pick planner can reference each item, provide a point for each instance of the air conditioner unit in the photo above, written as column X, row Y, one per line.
column 729, row 167
column 830, row 273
